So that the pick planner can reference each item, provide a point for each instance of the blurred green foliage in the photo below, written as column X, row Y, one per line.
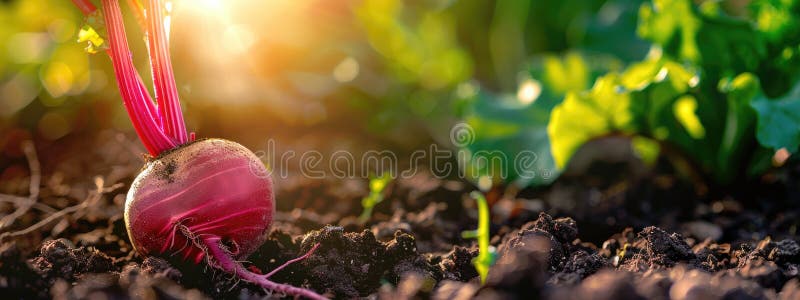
column 778, row 120
column 40, row 60
column 695, row 90
column 514, row 126
column 424, row 53
column 439, row 54
column 588, row 39
column 48, row 83
column 486, row 62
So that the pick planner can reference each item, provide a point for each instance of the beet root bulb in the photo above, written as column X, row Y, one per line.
column 211, row 187
column 209, row 200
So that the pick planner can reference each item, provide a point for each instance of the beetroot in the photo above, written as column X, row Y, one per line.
column 210, row 187
column 208, row 200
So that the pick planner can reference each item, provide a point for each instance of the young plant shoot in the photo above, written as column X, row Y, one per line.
column 486, row 254
column 376, row 186
column 207, row 200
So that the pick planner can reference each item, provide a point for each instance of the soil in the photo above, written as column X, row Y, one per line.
column 607, row 231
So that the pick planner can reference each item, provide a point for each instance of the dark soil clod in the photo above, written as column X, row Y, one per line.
column 59, row 259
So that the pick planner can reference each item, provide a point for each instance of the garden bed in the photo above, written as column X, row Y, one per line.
column 597, row 235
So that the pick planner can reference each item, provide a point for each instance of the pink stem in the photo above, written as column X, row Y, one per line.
column 163, row 78
column 85, row 6
column 151, row 106
column 134, row 95
column 224, row 261
column 149, row 123
column 138, row 11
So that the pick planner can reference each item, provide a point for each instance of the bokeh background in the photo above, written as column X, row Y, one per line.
column 311, row 74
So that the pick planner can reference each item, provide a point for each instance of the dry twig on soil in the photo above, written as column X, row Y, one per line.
column 18, row 201
column 36, row 181
column 92, row 199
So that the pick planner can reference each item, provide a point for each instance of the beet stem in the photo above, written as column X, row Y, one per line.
column 85, row 6
column 163, row 77
column 138, row 11
column 224, row 261
column 134, row 95
column 159, row 127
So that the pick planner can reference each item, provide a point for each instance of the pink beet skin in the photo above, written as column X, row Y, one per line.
column 211, row 187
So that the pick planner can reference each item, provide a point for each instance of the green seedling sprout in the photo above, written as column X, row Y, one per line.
column 376, row 186
column 486, row 254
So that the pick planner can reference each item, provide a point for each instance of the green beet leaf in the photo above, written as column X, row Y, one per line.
column 779, row 121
